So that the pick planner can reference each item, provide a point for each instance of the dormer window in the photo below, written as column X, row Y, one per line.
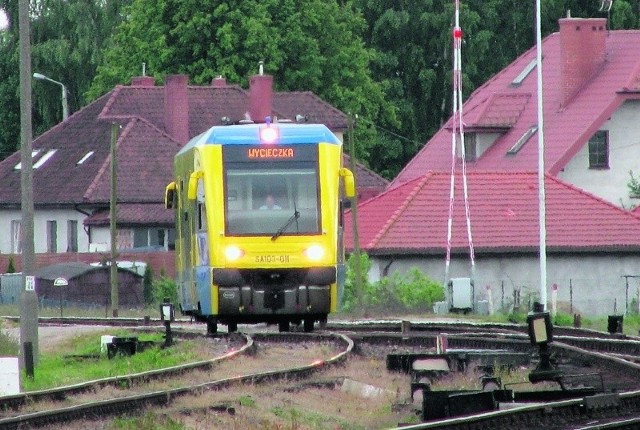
column 599, row 150
column 470, row 147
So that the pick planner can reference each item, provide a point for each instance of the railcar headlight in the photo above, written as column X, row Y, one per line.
column 314, row 252
column 232, row 252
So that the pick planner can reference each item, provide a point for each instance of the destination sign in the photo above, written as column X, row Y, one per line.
column 271, row 153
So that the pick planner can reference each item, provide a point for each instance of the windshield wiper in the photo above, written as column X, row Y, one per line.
column 286, row 225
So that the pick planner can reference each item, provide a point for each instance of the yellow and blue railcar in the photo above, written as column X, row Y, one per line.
column 258, row 224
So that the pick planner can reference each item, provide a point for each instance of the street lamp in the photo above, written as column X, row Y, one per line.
column 65, row 106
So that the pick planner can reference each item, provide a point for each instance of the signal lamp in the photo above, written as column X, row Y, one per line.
column 268, row 134
column 233, row 253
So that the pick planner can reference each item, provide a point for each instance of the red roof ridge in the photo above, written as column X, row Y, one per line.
column 113, row 95
column 107, row 161
column 420, row 184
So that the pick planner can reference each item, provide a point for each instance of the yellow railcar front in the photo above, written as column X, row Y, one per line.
column 263, row 216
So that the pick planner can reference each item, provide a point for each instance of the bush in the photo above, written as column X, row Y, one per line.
column 164, row 287
column 563, row 319
column 147, row 285
column 11, row 267
column 412, row 291
column 417, row 291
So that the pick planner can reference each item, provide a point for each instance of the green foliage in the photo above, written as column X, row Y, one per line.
column 54, row 370
column 314, row 45
column 67, row 38
column 147, row 285
column 562, row 319
column 164, row 287
column 149, row 421
column 11, row 267
column 8, row 346
column 411, row 291
column 417, row 291
column 517, row 317
column 633, row 185
column 247, row 401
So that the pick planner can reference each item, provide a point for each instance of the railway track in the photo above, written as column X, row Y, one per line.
column 127, row 403
column 614, row 356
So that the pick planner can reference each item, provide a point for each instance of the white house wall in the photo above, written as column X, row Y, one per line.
column 624, row 156
column 40, row 218
column 594, row 284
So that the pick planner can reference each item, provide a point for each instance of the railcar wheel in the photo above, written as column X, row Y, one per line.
column 212, row 326
column 283, row 326
column 308, row 325
column 323, row 323
column 232, row 327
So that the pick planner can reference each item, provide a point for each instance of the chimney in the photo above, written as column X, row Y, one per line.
column 143, row 81
column 582, row 53
column 260, row 95
column 176, row 107
column 219, row 82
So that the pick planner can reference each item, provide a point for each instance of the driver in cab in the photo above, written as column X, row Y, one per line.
column 270, row 203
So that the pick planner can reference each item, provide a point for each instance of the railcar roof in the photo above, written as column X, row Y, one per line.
column 248, row 134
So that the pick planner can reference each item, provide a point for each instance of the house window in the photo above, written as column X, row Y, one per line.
column 470, row 147
column 599, row 150
column 149, row 237
column 16, row 237
column 72, row 236
column 52, row 236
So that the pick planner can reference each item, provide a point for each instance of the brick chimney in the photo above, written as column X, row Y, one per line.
column 219, row 82
column 582, row 53
column 176, row 107
column 260, row 95
column 143, row 81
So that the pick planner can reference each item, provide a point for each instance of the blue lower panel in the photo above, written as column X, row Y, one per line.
column 203, row 288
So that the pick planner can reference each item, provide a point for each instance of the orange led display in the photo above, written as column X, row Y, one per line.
column 270, row 153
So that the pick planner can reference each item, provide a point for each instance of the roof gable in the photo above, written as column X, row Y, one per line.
column 412, row 217
column 500, row 102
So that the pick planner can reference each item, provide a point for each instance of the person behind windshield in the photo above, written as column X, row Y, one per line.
column 270, row 203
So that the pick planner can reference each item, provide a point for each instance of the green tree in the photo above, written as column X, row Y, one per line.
column 67, row 40
column 164, row 287
column 11, row 267
column 414, row 55
column 147, row 285
column 314, row 45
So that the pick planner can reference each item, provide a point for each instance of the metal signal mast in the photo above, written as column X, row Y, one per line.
column 458, row 132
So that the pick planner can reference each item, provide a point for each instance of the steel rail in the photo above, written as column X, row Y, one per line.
column 61, row 393
column 123, row 405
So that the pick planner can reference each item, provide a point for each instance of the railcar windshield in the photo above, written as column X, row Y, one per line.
column 272, row 197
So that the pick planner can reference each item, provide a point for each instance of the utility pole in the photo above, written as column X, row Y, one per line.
column 354, row 215
column 112, row 224
column 29, row 299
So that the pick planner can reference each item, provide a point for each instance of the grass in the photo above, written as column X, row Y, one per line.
column 95, row 312
column 55, row 369
column 9, row 347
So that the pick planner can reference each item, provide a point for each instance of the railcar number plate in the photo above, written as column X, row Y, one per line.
column 272, row 258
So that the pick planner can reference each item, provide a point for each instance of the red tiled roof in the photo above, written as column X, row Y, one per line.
column 501, row 110
column 144, row 150
column 207, row 105
column 566, row 128
column 133, row 214
column 412, row 217
column 366, row 178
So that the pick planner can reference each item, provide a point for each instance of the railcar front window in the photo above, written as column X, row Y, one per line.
column 260, row 201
